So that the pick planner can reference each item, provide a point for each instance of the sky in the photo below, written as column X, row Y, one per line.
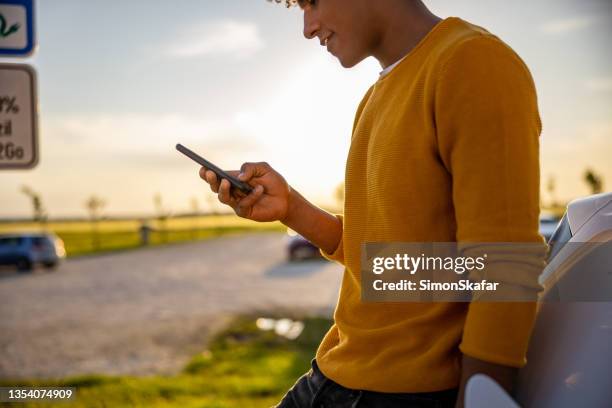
column 120, row 83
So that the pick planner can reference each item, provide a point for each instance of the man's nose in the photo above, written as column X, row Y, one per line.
column 311, row 24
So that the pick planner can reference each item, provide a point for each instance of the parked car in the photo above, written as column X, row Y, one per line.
column 300, row 249
column 569, row 357
column 548, row 225
column 25, row 250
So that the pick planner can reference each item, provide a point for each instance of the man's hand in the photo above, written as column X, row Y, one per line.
column 503, row 375
column 267, row 202
column 272, row 199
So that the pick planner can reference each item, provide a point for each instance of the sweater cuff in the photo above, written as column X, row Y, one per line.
column 499, row 332
column 338, row 254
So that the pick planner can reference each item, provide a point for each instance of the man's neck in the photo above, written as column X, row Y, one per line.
column 403, row 29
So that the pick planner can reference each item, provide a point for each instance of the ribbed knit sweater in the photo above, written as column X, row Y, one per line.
column 444, row 149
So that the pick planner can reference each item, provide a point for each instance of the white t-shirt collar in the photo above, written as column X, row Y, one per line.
column 390, row 67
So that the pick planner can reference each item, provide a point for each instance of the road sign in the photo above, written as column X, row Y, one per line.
column 18, row 117
column 17, row 28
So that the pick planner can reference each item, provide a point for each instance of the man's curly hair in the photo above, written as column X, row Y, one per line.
column 290, row 3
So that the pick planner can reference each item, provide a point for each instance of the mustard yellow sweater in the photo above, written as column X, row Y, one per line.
column 444, row 148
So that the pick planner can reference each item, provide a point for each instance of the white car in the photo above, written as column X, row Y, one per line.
column 569, row 362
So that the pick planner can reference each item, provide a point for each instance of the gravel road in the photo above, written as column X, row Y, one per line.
column 148, row 311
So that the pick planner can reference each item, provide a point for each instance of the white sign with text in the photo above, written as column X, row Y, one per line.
column 18, row 117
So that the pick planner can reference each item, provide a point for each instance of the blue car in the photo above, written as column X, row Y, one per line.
column 548, row 225
column 25, row 250
column 300, row 249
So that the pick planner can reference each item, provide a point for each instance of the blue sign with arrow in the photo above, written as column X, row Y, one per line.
column 17, row 28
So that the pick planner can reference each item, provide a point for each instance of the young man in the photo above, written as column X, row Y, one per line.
column 444, row 149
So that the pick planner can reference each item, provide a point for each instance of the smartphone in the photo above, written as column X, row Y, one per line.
column 234, row 182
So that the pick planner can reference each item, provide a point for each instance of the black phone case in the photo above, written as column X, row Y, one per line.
column 234, row 182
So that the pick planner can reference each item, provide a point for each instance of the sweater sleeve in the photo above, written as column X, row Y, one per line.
column 488, row 129
column 338, row 254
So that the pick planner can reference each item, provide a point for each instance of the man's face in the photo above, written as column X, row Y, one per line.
column 343, row 26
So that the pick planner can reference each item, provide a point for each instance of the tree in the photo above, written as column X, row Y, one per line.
column 40, row 214
column 551, row 187
column 212, row 201
column 195, row 209
column 162, row 216
column 94, row 206
column 594, row 181
column 195, row 206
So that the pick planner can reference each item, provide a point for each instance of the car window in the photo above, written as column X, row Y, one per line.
column 10, row 241
column 560, row 237
column 38, row 241
column 549, row 221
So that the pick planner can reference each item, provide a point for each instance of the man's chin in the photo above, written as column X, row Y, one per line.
column 349, row 62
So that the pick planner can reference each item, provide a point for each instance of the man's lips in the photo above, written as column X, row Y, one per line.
column 325, row 40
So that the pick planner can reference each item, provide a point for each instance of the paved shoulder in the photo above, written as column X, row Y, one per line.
column 149, row 310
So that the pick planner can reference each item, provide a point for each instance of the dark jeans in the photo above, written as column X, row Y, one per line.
column 315, row 390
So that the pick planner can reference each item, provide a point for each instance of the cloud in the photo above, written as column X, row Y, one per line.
column 147, row 138
column 227, row 37
column 566, row 25
column 126, row 158
column 603, row 84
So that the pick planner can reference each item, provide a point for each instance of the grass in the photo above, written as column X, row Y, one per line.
column 242, row 367
column 82, row 243
column 114, row 235
column 132, row 224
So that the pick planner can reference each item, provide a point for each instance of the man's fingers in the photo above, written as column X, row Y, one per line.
column 250, row 170
column 246, row 172
column 211, row 178
column 224, row 192
column 250, row 199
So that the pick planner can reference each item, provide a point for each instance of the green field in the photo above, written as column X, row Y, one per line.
column 242, row 367
column 82, row 237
